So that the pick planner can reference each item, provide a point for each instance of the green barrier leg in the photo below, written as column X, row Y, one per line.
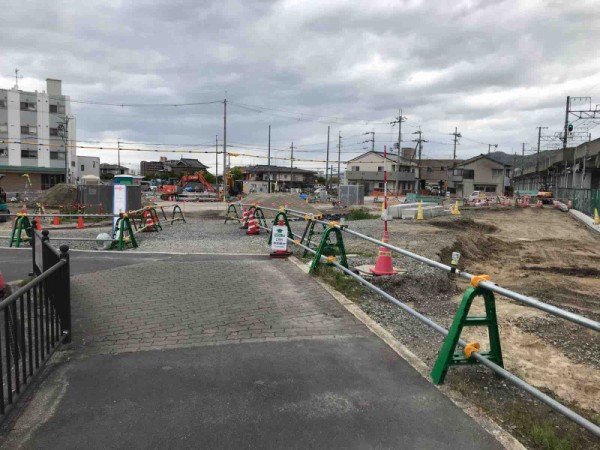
column 260, row 216
column 282, row 215
column 124, row 226
column 21, row 225
column 309, row 235
column 231, row 213
column 448, row 355
column 326, row 247
column 177, row 208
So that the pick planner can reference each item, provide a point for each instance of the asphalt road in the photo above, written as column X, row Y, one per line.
column 347, row 393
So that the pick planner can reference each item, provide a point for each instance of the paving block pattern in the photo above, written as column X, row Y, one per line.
column 159, row 305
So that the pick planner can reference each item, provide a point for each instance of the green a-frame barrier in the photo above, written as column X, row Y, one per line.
column 448, row 355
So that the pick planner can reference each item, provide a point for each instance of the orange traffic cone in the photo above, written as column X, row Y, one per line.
column 56, row 221
column 253, row 225
column 38, row 223
column 384, row 264
column 80, row 223
column 244, row 220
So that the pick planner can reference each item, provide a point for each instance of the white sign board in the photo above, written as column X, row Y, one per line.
column 279, row 238
column 119, row 201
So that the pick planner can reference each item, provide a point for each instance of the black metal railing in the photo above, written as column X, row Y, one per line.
column 34, row 320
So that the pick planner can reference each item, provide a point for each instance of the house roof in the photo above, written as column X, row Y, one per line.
column 393, row 157
column 275, row 169
column 187, row 163
column 439, row 162
column 475, row 158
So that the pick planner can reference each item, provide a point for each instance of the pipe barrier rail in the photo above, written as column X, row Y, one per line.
column 480, row 286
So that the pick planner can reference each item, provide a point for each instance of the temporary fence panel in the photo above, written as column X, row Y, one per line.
column 584, row 200
column 103, row 195
column 352, row 194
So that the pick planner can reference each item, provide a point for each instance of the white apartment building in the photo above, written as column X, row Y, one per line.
column 34, row 127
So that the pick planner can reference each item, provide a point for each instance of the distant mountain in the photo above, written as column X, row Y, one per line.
column 521, row 161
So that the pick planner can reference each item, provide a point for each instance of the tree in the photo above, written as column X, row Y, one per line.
column 209, row 177
column 236, row 173
column 106, row 176
column 320, row 180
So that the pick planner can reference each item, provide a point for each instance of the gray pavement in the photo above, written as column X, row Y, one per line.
column 226, row 352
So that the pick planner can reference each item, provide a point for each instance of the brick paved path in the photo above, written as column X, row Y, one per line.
column 302, row 372
column 181, row 304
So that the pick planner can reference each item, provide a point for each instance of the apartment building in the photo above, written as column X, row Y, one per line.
column 368, row 168
column 34, row 128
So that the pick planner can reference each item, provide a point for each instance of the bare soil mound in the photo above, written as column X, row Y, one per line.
column 61, row 194
column 275, row 200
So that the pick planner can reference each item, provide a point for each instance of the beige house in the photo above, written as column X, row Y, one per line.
column 367, row 169
column 481, row 173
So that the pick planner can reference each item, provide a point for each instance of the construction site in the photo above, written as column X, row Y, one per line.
column 539, row 250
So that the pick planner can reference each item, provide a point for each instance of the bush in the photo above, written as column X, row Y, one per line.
column 361, row 214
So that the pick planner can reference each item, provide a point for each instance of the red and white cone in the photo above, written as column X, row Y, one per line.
column 384, row 264
column 253, row 225
column 80, row 223
column 556, row 205
column 244, row 221
column 149, row 222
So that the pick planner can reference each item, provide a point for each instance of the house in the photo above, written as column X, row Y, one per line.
column 438, row 172
column 481, row 173
column 367, row 169
column 113, row 169
column 183, row 166
column 285, row 177
column 86, row 165
column 37, row 138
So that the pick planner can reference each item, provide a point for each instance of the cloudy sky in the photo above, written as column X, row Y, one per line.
column 494, row 69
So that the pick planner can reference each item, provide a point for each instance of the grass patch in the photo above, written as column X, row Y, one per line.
column 361, row 214
column 543, row 434
column 340, row 282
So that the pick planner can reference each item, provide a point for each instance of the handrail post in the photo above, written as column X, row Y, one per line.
column 65, row 320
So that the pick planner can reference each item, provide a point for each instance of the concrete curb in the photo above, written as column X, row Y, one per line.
column 586, row 220
column 503, row 436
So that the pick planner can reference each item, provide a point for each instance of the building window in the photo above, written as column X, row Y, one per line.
column 429, row 169
column 468, row 174
column 93, row 164
column 56, row 155
column 28, row 153
column 60, row 109
column 3, row 128
column 2, row 103
column 28, row 129
column 355, row 168
column 380, row 169
column 83, row 168
column 497, row 172
column 3, row 152
column 72, row 163
column 393, row 167
column 485, row 188
column 28, row 106
column 53, row 131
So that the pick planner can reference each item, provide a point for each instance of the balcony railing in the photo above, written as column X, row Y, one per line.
column 378, row 176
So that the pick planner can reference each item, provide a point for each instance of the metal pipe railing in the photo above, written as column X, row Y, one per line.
column 530, row 301
column 555, row 405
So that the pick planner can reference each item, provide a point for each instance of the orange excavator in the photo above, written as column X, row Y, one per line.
column 168, row 190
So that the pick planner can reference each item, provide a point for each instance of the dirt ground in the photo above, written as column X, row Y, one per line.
column 543, row 253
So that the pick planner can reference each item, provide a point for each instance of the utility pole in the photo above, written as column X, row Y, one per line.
column 398, row 121
column 217, row 162
column 419, row 142
column 269, row 162
column 456, row 135
column 119, row 156
column 327, row 162
column 339, row 160
column 292, row 167
column 537, row 160
column 566, row 130
column 522, row 158
column 225, row 149
column 372, row 140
